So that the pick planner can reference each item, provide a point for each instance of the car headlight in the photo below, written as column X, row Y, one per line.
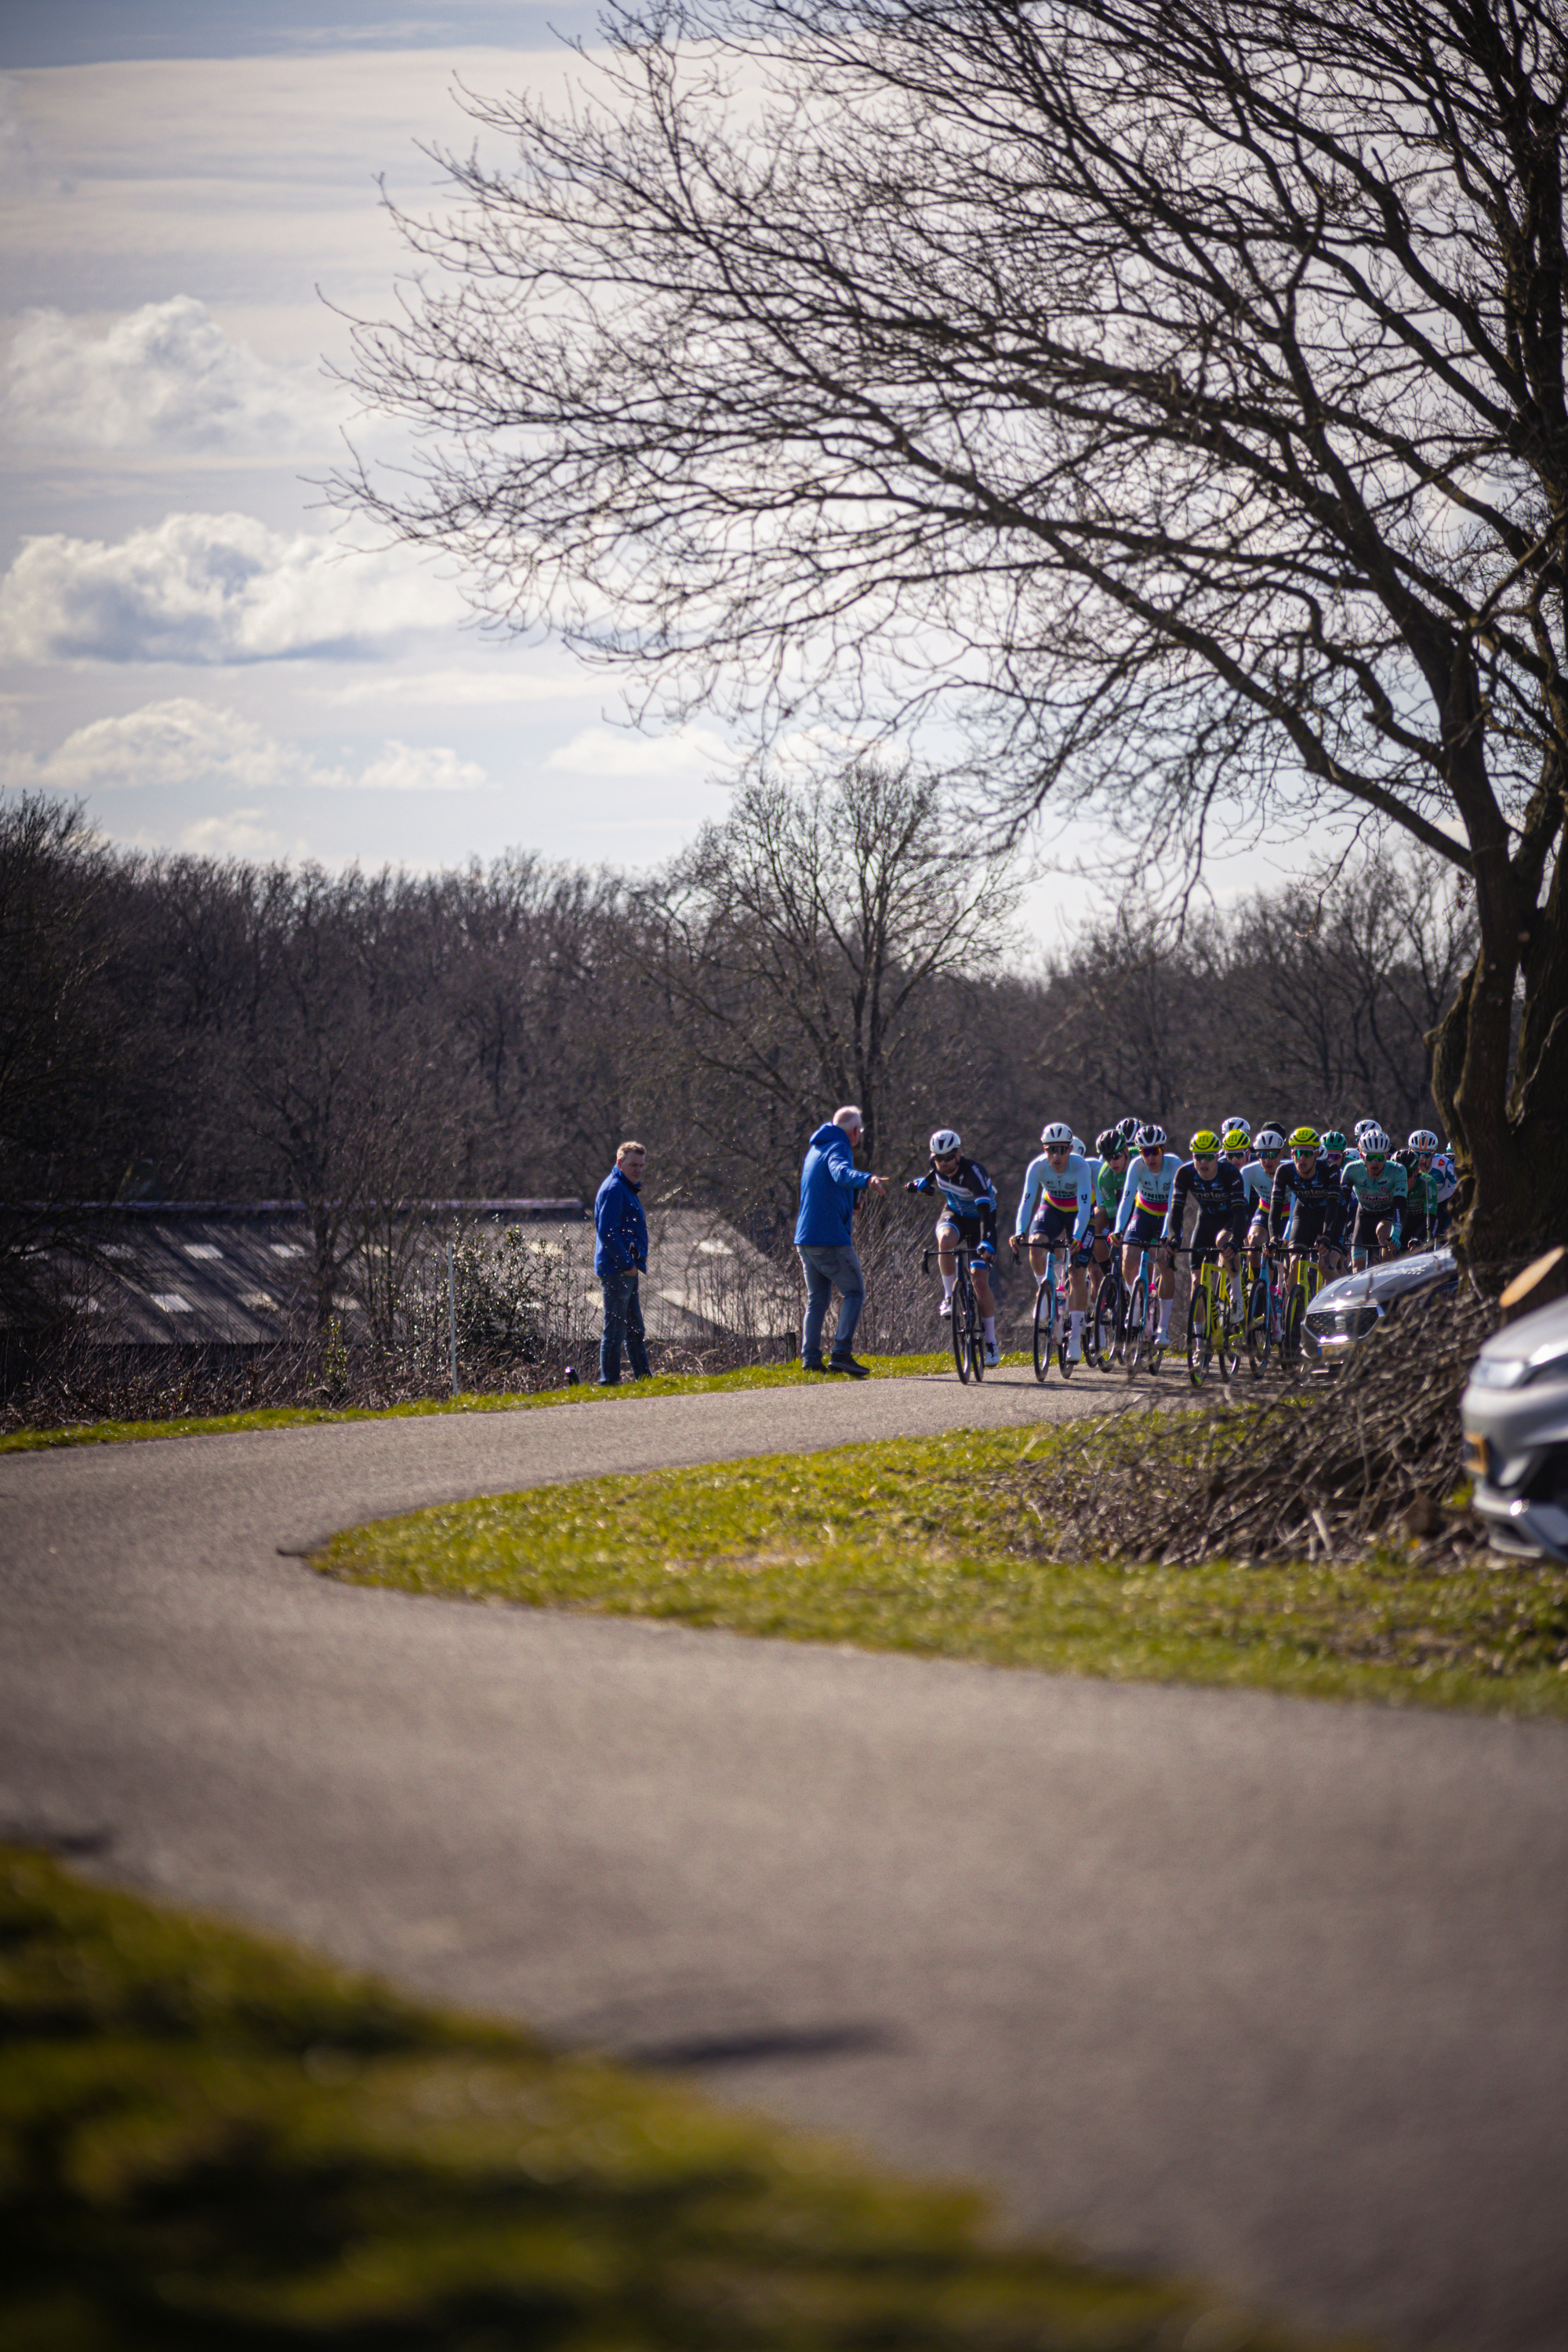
column 1500, row 1372
column 1344, row 1322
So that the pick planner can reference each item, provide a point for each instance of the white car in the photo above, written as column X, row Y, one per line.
column 1514, row 1415
column 1347, row 1311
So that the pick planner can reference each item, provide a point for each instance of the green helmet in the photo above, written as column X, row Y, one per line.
column 1335, row 1141
column 1305, row 1138
column 1205, row 1144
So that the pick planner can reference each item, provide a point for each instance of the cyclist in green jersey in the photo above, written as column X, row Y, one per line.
column 1109, row 1177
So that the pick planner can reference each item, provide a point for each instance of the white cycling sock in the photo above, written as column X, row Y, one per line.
column 1165, row 1305
column 1074, row 1325
column 991, row 1328
column 947, row 1282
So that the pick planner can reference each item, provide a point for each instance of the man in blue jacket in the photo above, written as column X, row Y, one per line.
column 829, row 1181
column 620, row 1255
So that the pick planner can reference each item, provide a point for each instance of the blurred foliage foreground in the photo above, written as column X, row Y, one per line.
column 211, row 2140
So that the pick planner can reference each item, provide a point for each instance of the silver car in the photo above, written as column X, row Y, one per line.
column 1514, row 1415
column 1345, row 1312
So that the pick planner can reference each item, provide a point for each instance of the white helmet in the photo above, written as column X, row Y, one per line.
column 1079, row 1145
column 1423, row 1139
column 945, row 1139
column 1227, row 1125
column 1268, row 1139
column 1058, row 1131
column 1363, row 1128
column 1373, row 1143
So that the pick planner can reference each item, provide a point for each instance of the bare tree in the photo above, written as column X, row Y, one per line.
column 70, row 1055
column 802, row 938
column 343, row 1083
column 1175, row 393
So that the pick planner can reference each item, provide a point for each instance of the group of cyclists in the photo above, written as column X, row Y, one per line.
column 1351, row 1200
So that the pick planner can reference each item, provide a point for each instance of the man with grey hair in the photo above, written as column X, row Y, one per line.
column 620, row 1255
column 829, row 1181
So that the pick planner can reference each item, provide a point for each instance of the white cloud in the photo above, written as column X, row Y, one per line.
column 604, row 751
column 182, row 744
column 202, row 589
column 470, row 688
column 162, row 379
column 243, row 834
column 408, row 768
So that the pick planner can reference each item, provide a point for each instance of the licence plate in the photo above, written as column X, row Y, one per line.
column 1478, row 1455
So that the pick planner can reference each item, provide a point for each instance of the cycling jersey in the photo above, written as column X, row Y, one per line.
column 1420, row 1186
column 1146, row 1196
column 1317, row 1197
column 1068, row 1191
column 969, row 1195
column 1220, row 1197
column 1373, row 1198
column 1109, row 1187
column 1259, row 1188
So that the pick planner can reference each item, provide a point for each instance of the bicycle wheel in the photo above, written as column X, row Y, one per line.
column 1045, row 1315
column 1137, row 1323
column 1199, row 1345
column 962, row 1308
column 976, row 1341
column 1229, row 1333
column 1106, row 1338
column 1295, row 1314
column 1257, row 1305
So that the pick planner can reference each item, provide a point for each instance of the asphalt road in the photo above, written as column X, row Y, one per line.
column 1272, row 1993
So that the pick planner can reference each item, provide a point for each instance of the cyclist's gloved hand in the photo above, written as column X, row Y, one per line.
column 913, row 1185
column 987, row 1250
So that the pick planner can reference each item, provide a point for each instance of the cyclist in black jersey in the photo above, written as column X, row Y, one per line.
column 1215, row 1186
column 966, row 1219
column 1307, row 1208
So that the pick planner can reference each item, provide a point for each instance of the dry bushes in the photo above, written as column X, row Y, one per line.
column 1369, row 1454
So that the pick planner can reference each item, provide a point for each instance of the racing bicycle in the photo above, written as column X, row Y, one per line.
column 1214, row 1321
column 968, row 1332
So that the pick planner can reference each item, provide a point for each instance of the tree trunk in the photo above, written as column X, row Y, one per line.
column 1512, row 1141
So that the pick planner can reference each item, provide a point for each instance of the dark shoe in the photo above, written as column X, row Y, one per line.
column 812, row 1364
column 847, row 1364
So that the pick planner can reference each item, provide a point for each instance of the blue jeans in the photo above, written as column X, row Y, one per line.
column 622, row 1324
column 825, row 1271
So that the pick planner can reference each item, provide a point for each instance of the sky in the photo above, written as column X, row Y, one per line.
column 190, row 642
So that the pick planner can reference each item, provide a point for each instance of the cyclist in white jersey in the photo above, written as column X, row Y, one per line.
column 1053, row 1206
column 1140, row 1219
column 1258, row 1175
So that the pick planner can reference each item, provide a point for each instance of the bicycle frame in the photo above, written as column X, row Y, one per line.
column 968, row 1335
column 1143, row 1323
column 1213, row 1313
column 1051, row 1294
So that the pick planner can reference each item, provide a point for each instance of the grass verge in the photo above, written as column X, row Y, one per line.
column 750, row 1376
column 208, row 2138
column 930, row 1544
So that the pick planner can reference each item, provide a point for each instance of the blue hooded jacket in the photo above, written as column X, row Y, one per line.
column 829, row 1181
column 619, row 1226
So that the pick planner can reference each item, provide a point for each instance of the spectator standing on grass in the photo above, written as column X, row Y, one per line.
column 620, row 1255
column 824, row 1240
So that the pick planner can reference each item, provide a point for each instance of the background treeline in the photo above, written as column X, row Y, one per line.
column 212, row 1030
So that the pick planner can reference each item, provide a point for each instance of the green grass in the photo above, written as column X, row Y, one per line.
column 928, row 1545
column 751, row 1376
column 209, row 2139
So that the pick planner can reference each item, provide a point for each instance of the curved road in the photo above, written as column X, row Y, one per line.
column 1269, row 1991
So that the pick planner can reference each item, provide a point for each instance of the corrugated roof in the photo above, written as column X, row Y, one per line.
column 238, row 1274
